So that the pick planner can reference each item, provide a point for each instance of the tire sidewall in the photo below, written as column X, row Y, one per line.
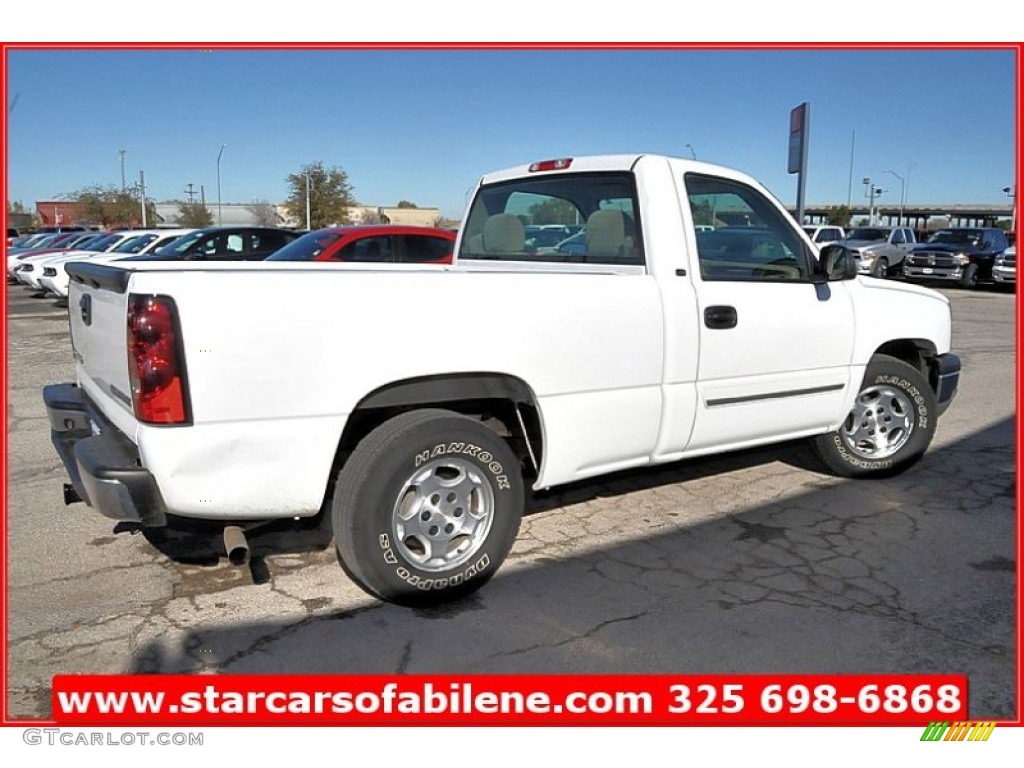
column 880, row 268
column 970, row 278
column 912, row 384
column 378, row 558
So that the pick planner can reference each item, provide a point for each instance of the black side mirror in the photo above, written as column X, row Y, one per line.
column 837, row 262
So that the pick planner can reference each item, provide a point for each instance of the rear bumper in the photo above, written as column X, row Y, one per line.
column 102, row 463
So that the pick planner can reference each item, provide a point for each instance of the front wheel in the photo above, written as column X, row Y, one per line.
column 427, row 507
column 890, row 427
column 970, row 276
column 880, row 268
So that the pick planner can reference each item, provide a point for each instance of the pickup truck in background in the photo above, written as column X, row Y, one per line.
column 823, row 234
column 964, row 255
column 414, row 407
column 880, row 251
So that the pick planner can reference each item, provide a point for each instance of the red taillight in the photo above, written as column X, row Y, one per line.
column 551, row 165
column 155, row 363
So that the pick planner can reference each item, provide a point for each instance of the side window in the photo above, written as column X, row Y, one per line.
column 897, row 237
column 234, row 245
column 423, row 248
column 367, row 249
column 752, row 239
column 208, row 247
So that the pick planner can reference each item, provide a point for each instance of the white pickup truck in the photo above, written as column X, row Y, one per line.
column 415, row 407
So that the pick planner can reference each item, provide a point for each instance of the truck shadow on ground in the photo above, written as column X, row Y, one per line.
column 912, row 574
column 203, row 546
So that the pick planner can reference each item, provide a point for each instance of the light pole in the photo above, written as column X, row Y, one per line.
column 121, row 152
column 693, row 152
column 1011, row 192
column 871, row 193
column 142, row 196
column 903, row 194
column 220, row 216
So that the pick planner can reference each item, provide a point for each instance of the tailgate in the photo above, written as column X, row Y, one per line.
column 98, row 310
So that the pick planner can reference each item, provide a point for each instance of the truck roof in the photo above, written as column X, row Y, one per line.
column 603, row 163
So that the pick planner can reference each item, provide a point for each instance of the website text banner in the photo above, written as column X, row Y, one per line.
column 535, row 700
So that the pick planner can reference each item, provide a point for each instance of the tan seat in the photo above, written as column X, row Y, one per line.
column 606, row 234
column 503, row 233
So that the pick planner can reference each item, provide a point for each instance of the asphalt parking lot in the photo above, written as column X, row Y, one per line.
column 751, row 562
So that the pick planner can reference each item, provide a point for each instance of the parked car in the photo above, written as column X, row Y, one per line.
column 29, row 270
column 223, row 244
column 372, row 243
column 12, row 234
column 54, row 278
column 1004, row 270
column 546, row 237
column 880, row 250
column 826, row 233
column 964, row 255
column 42, row 245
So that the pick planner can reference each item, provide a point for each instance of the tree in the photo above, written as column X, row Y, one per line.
column 373, row 216
column 554, row 211
column 194, row 215
column 330, row 195
column 406, row 204
column 264, row 213
column 839, row 216
column 112, row 207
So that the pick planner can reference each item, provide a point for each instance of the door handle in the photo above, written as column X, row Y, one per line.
column 720, row 317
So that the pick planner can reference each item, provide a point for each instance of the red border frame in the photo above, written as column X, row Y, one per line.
column 1016, row 47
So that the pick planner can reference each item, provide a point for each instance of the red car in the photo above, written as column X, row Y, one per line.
column 372, row 243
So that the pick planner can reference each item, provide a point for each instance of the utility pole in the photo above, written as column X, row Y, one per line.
column 220, row 216
column 871, row 193
column 121, row 152
column 849, row 183
column 190, row 191
column 142, row 195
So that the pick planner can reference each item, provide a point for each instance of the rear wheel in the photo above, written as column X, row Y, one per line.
column 427, row 507
column 890, row 427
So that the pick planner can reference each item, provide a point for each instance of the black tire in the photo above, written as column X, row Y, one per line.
column 880, row 268
column 427, row 507
column 890, row 427
column 970, row 276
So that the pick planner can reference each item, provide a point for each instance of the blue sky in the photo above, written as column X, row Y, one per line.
column 423, row 125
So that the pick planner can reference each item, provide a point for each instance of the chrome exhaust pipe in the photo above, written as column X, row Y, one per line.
column 235, row 545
